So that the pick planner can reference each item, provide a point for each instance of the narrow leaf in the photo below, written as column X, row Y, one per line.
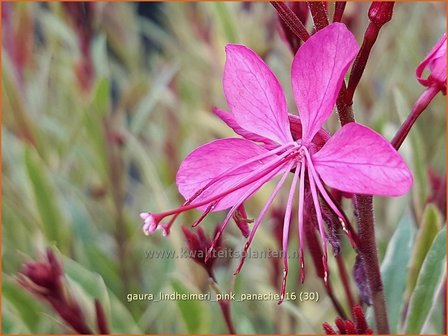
column 429, row 227
column 45, row 198
column 394, row 268
column 428, row 284
column 190, row 310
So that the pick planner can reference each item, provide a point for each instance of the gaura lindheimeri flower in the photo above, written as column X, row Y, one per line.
column 224, row 173
column 435, row 63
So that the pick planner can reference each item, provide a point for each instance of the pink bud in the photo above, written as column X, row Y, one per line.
column 381, row 12
column 150, row 222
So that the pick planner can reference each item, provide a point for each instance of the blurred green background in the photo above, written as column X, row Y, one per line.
column 101, row 106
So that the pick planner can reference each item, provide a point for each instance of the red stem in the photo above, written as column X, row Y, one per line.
column 379, row 14
column 345, row 280
column 368, row 252
column 291, row 19
column 421, row 104
column 339, row 8
column 319, row 14
column 225, row 308
column 101, row 320
column 360, row 62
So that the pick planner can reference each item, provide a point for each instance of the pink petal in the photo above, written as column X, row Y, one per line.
column 436, row 64
column 359, row 160
column 317, row 73
column 229, row 119
column 214, row 159
column 254, row 95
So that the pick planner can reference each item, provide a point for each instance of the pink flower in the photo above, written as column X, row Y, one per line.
column 224, row 173
column 435, row 63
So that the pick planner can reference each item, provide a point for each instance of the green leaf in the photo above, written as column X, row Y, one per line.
column 94, row 125
column 11, row 322
column 431, row 224
column 147, row 105
column 45, row 198
column 191, row 310
column 428, row 283
column 225, row 17
column 394, row 268
column 101, row 99
column 121, row 320
column 25, row 304
column 93, row 287
column 91, row 283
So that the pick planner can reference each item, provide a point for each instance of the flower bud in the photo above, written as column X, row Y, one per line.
column 346, row 327
column 435, row 63
column 199, row 245
column 381, row 12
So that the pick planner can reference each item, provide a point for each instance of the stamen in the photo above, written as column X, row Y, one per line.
column 243, row 182
column 320, row 224
column 204, row 214
column 345, row 223
column 240, row 201
column 300, row 220
column 286, row 225
column 262, row 214
column 230, row 170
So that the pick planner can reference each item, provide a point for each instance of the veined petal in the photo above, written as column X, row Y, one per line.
column 229, row 119
column 359, row 160
column 295, row 124
column 436, row 64
column 213, row 160
column 254, row 95
column 317, row 73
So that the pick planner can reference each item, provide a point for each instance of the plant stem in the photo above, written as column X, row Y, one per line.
column 360, row 62
column 319, row 14
column 366, row 235
column 339, row 8
column 291, row 19
column 368, row 252
column 225, row 307
column 345, row 280
column 421, row 104
column 379, row 14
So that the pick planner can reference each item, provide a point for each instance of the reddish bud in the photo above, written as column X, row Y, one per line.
column 350, row 328
column 381, row 12
column 347, row 327
column 199, row 245
column 101, row 320
column 438, row 190
column 340, row 323
column 328, row 329
column 435, row 64
column 42, row 277
column 241, row 220
column 360, row 319
column 45, row 280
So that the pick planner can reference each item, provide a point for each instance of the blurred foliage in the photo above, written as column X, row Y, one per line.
column 101, row 105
